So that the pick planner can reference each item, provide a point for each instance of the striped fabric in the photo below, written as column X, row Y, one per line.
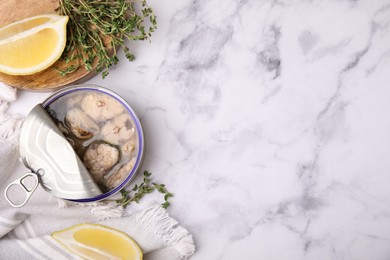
column 25, row 232
column 158, row 235
column 37, row 247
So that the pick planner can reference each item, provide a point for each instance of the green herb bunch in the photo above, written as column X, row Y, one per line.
column 146, row 187
column 96, row 28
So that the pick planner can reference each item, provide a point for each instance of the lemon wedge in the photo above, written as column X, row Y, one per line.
column 32, row 44
column 94, row 241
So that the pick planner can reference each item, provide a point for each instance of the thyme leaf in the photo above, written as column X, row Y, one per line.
column 97, row 28
column 140, row 190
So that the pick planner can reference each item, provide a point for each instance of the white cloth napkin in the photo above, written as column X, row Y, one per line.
column 25, row 232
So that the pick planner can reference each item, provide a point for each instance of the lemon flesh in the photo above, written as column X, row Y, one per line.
column 32, row 45
column 21, row 26
column 93, row 241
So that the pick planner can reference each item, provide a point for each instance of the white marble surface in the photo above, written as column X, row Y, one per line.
column 269, row 121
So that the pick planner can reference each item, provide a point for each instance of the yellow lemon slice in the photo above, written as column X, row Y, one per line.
column 94, row 241
column 32, row 44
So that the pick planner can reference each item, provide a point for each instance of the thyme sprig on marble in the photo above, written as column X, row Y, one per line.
column 96, row 28
column 146, row 187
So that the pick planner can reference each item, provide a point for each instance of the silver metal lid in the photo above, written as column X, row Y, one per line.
column 47, row 153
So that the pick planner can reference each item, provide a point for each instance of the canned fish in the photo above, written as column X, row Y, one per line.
column 87, row 144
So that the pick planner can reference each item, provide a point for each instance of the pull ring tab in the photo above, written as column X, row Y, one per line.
column 27, row 191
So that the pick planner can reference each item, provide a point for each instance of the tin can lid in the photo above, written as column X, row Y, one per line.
column 45, row 149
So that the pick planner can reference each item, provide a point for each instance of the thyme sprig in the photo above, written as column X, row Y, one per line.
column 97, row 28
column 146, row 187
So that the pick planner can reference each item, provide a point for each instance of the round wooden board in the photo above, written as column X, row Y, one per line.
column 49, row 79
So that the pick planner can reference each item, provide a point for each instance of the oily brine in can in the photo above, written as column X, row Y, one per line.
column 102, row 132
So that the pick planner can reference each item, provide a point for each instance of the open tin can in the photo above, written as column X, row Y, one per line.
column 84, row 143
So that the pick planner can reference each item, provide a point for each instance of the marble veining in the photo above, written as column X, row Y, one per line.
column 269, row 122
